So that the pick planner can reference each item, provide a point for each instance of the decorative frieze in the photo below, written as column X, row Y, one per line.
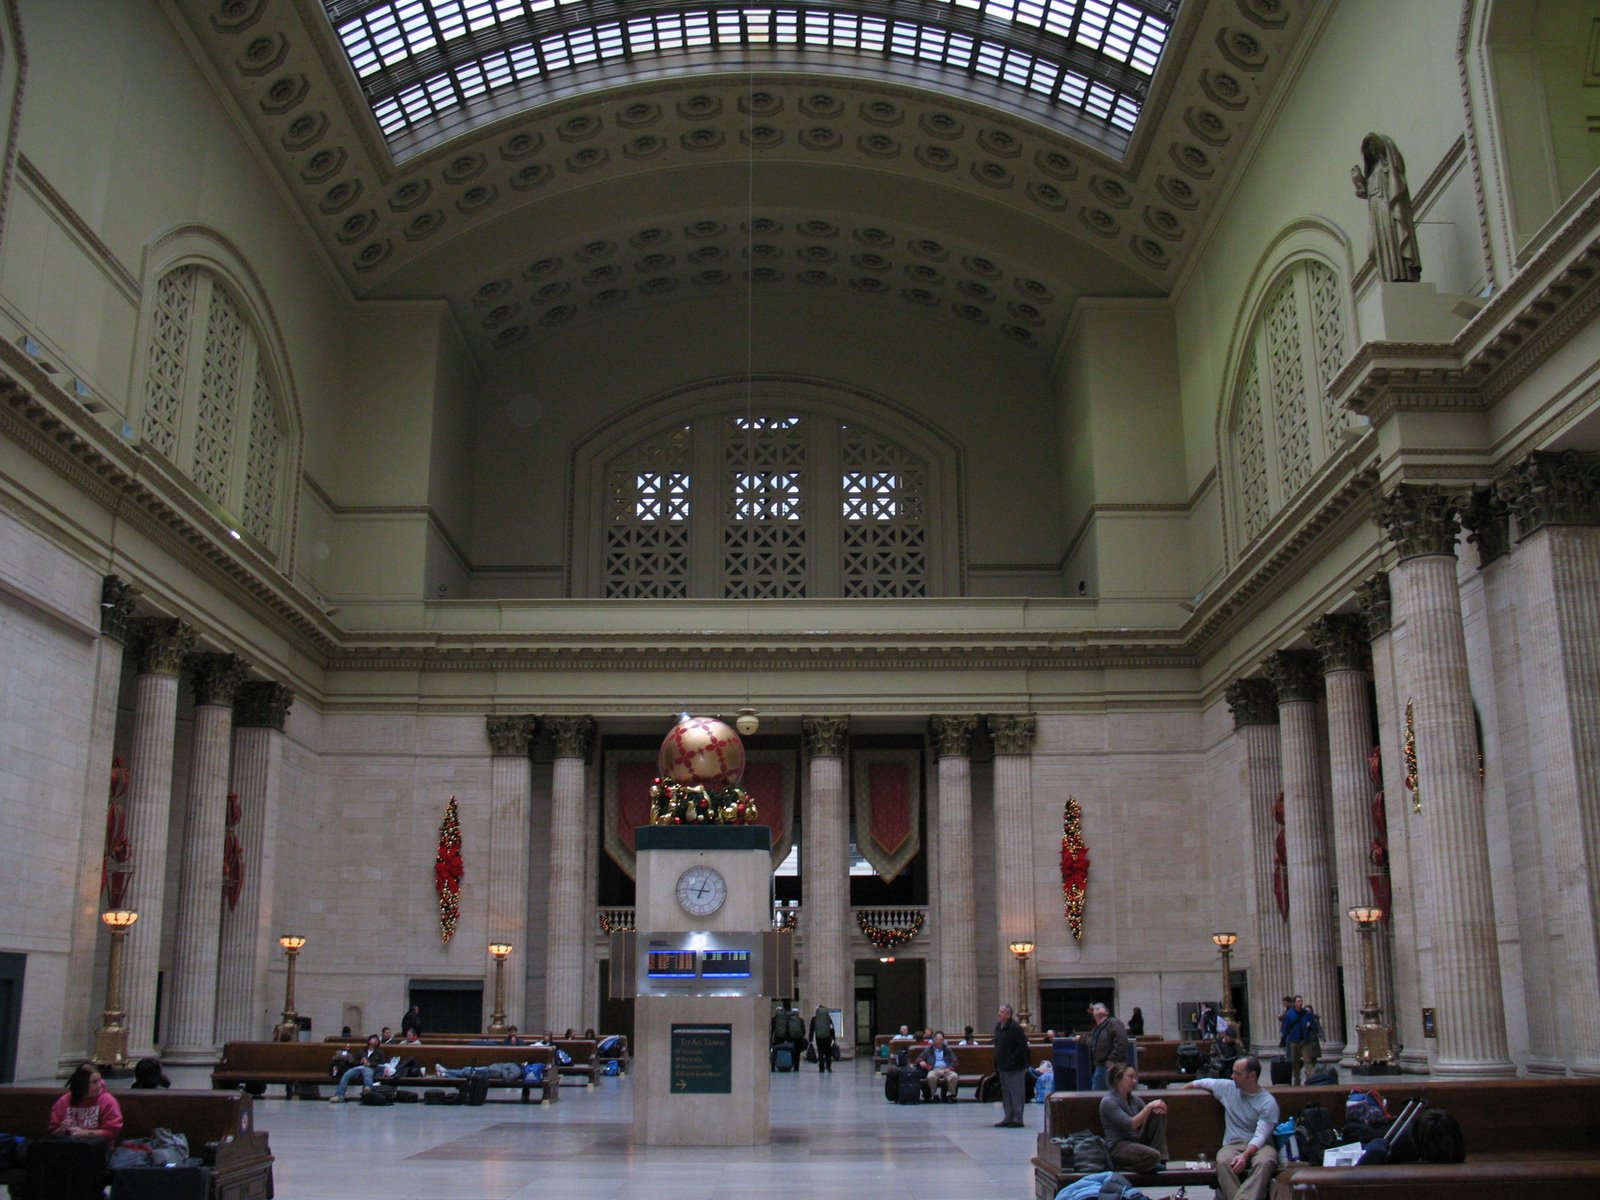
column 261, row 704
column 1373, row 598
column 1553, row 488
column 1295, row 675
column 510, row 737
column 1012, row 732
column 161, row 644
column 1341, row 639
column 216, row 677
column 824, row 737
column 1419, row 519
column 952, row 736
column 1252, row 702
column 1487, row 519
column 573, row 736
column 117, row 600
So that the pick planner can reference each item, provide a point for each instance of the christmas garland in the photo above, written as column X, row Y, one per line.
column 233, row 855
column 610, row 924
column 699, row 804
column 887, row 937
column 448, row 870
column 1280, row 859
column 1074, row 866
column 1411, row 759
column 116, row 865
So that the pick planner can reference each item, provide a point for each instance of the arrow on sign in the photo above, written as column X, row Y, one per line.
column 681, row 1085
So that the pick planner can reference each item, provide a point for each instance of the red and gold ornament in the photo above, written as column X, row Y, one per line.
column 1074, row 866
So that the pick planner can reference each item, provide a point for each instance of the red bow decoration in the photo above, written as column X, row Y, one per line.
column 232, row 855
column 117, row 863
column 448, row 869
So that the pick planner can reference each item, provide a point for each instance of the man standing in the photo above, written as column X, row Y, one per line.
column 1296, row 1026
column 1247, row 1159
column 412, row 1021
column 822, row 1035
column 1108, row 1045
column 1011, row 1064
column 941, row 1080
column 795, row 1027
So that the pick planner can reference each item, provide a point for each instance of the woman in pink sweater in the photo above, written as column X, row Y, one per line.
column 87, row 1109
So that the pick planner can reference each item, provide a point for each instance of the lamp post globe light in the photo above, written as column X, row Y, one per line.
column 1225, row 942
column 288, row 1029
column 497, row 1018
column 1022, row 950
column 111, row 1039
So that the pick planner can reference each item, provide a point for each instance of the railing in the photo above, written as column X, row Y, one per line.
column 893, row 926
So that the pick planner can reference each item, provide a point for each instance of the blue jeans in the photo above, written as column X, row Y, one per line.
column 1098, row 1081
column 366, row 1079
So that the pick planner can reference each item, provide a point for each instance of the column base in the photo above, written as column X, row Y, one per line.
column 1496, row 1069
column 190, row 1056
column 1546, row 1068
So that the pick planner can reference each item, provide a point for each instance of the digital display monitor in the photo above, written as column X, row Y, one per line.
column 725, row 964
column 670, row 964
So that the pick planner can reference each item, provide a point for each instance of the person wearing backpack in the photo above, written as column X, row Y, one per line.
column 795, row 1030
column 822, row 1035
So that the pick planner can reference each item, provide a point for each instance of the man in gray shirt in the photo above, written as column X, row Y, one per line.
column 1248, row 1158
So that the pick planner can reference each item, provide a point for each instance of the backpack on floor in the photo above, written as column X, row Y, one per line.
column 406, row 1096
column 477, row 1090
column 441, row 1096
column 1321, row 1079
column 1315, row 1131
column 378, row 1096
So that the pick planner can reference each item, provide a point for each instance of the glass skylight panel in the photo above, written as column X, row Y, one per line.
column 420, row 60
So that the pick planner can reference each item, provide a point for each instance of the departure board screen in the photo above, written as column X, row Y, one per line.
column 670, row 964
column 725, row 964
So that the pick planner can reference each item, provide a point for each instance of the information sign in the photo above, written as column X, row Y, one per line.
column 702, row 1059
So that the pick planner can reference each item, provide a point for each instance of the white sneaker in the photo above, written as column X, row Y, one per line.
column 438, row 1068
column 335, row 1099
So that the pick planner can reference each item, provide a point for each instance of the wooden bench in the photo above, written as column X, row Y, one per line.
column 243, row 1166
column 298, row 1064
column 1157, row 1061
column 1538, row 1123
column 975, row 1064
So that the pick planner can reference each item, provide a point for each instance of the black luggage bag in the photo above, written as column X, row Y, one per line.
column 1280, row 1072
column 909, row 1087
column 477, row 1090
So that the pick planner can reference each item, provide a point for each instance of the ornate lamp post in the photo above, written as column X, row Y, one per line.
column 111, row 1039
column 288, row 1030
column 1375, row 1046
column 1225, row 942
column 497, row 1018
column 1022, row 950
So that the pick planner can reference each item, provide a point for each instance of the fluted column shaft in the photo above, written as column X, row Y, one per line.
column 1254, row 704
column 161, row 646
column 957, row 900
column 249, row 936
column 1013, row 834
column 1312, row 966
column 197, row 938
column 827, row 969
column 574, row 736
column 510, row 823
column 1349, row 732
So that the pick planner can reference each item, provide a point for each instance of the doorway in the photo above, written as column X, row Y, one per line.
column 12, row 968
column 891, row 994
column 449, row 1005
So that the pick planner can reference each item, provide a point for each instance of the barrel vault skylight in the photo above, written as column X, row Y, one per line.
column 425, row 63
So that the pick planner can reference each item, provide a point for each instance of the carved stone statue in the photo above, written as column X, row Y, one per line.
column 1381, row 181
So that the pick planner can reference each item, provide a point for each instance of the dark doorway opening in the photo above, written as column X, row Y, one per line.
column 616, row 1016
column 12, row 969
column 896, row 994
column 1064, row 1003
column 448, row 1005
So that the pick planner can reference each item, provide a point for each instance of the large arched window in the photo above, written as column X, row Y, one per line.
column 211, row 406
column 1282, row 426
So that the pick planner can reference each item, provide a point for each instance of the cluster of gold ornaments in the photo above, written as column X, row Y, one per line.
column 701, row 763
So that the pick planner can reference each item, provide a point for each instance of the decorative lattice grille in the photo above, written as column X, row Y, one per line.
column 1254, row 491
column 884, row 542
column 219, row 396
column 1327, row 331
column 764, row 529
column 169, row 345
column 647, row 530
column 262, row 463
column 1289, row 415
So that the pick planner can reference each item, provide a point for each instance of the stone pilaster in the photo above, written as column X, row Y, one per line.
column 957, row 893
column 569, row 907
column 196, row 943
column 160, row 647
column 510, row 824
column 1373, row 599
column 1487, row 519
column 1312, row 943
column 1342, row 642
column 1013, row 833
column 827, row 970
column 1470, row 1021
column 249, row 935
column 1556, row 501
column 1254, row 705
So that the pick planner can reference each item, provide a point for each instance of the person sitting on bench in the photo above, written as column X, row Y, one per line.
column 365, row 1068
column 1247, row 1159
column 1136, row 1131
column 939, row 1061
column 86, row 1109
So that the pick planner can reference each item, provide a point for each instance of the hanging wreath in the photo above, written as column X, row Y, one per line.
column 116, row 865
column 1074, row 866
column 887, row 937
column 447, row 871
column 232, row 855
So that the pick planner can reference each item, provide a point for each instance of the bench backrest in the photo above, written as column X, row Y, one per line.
column 314, row 1058
column 581, row 1049
column 1162, row 1054
column 201, row 1116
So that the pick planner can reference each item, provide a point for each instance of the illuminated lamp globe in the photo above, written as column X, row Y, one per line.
column 701, row 750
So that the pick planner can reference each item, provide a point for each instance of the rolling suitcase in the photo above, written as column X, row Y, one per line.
column 782, row 1058
column 1280, row 1072
column 908, row 1088
column 477, row 1090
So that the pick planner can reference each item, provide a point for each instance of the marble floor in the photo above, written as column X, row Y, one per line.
column 833, row 1138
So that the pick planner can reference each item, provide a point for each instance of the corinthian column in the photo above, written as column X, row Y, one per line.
column 1312, row 965
column 161, row 647
column 249, row 935
column 1013, row 832
column 827, row 971
column 510, row 821
column 956, row 894
column 568, row 923
column 1342, row 642
column 1556, row 501
column 1254, row 705
column 1469, row 1019
column 196, row 943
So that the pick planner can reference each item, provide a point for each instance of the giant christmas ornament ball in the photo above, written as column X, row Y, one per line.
column 701, row 750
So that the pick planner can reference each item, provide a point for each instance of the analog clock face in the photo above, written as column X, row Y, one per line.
column 701, row 891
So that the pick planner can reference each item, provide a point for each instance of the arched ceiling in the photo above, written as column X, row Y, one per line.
column 938, row 195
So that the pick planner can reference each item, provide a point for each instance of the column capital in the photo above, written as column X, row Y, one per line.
column 1419, row 519
column 952, row 736
column 261, row 704
column 1553, row 488
column 1295, row 674
column 117, row 598
column 1012, row 732
column 1341, row 639
column 573, row 736
column 1373, row 598
column 510, row 737
column 1487, row 519
column 161, row 644
column 1252, row 702
column 216, row 677
column 824, row 737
